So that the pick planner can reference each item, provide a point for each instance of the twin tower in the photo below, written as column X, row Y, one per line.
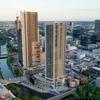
column 29, row 45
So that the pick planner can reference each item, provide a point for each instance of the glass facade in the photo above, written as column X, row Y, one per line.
column 49, row 51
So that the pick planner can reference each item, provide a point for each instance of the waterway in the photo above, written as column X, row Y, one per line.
column 6, row 72
column 18, row 90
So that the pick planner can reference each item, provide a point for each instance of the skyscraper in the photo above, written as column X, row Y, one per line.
column 30, row 39
column 55, row 50
column 19, row 39
column 97, row 30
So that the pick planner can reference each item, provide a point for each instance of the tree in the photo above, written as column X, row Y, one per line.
column 10, row 59
column 18, row 72
column 1, row 76
column 11, row 48
column 86, row 92
column 35, row 98
column 17, row 98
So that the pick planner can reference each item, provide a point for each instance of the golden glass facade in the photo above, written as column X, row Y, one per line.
column 55, row 50
column 29, row 24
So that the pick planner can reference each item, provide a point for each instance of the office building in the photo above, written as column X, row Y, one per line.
column 30, row 39
column 84, row 40
column 55, row 50
column 93, row 39
column 97, row 30
column 19, row 40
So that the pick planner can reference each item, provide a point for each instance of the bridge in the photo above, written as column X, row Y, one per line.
column 3, row 56
column 12, row 80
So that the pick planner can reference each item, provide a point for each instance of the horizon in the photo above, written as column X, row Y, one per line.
column 55, row 20
column 52, row 10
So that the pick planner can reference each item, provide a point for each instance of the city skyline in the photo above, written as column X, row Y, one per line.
column 53, row 9
column 50, row 49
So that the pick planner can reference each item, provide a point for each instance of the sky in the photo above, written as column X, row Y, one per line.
column 52, row 9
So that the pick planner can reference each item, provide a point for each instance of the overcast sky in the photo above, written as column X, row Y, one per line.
column 52, row 9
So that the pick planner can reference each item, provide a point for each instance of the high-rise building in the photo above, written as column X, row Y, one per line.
column 30, row 39
column 55, row 50
column 97, row 30
column 93, row 39
column 19, row 40
column 84, row 40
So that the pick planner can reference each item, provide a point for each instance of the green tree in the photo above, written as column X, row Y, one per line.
column 86, row 92
column 17, row 98
column 1, row 76
column 18, row 72
column 35, row 98
column 3, row 38
column 11, row 48
column 10, row 59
